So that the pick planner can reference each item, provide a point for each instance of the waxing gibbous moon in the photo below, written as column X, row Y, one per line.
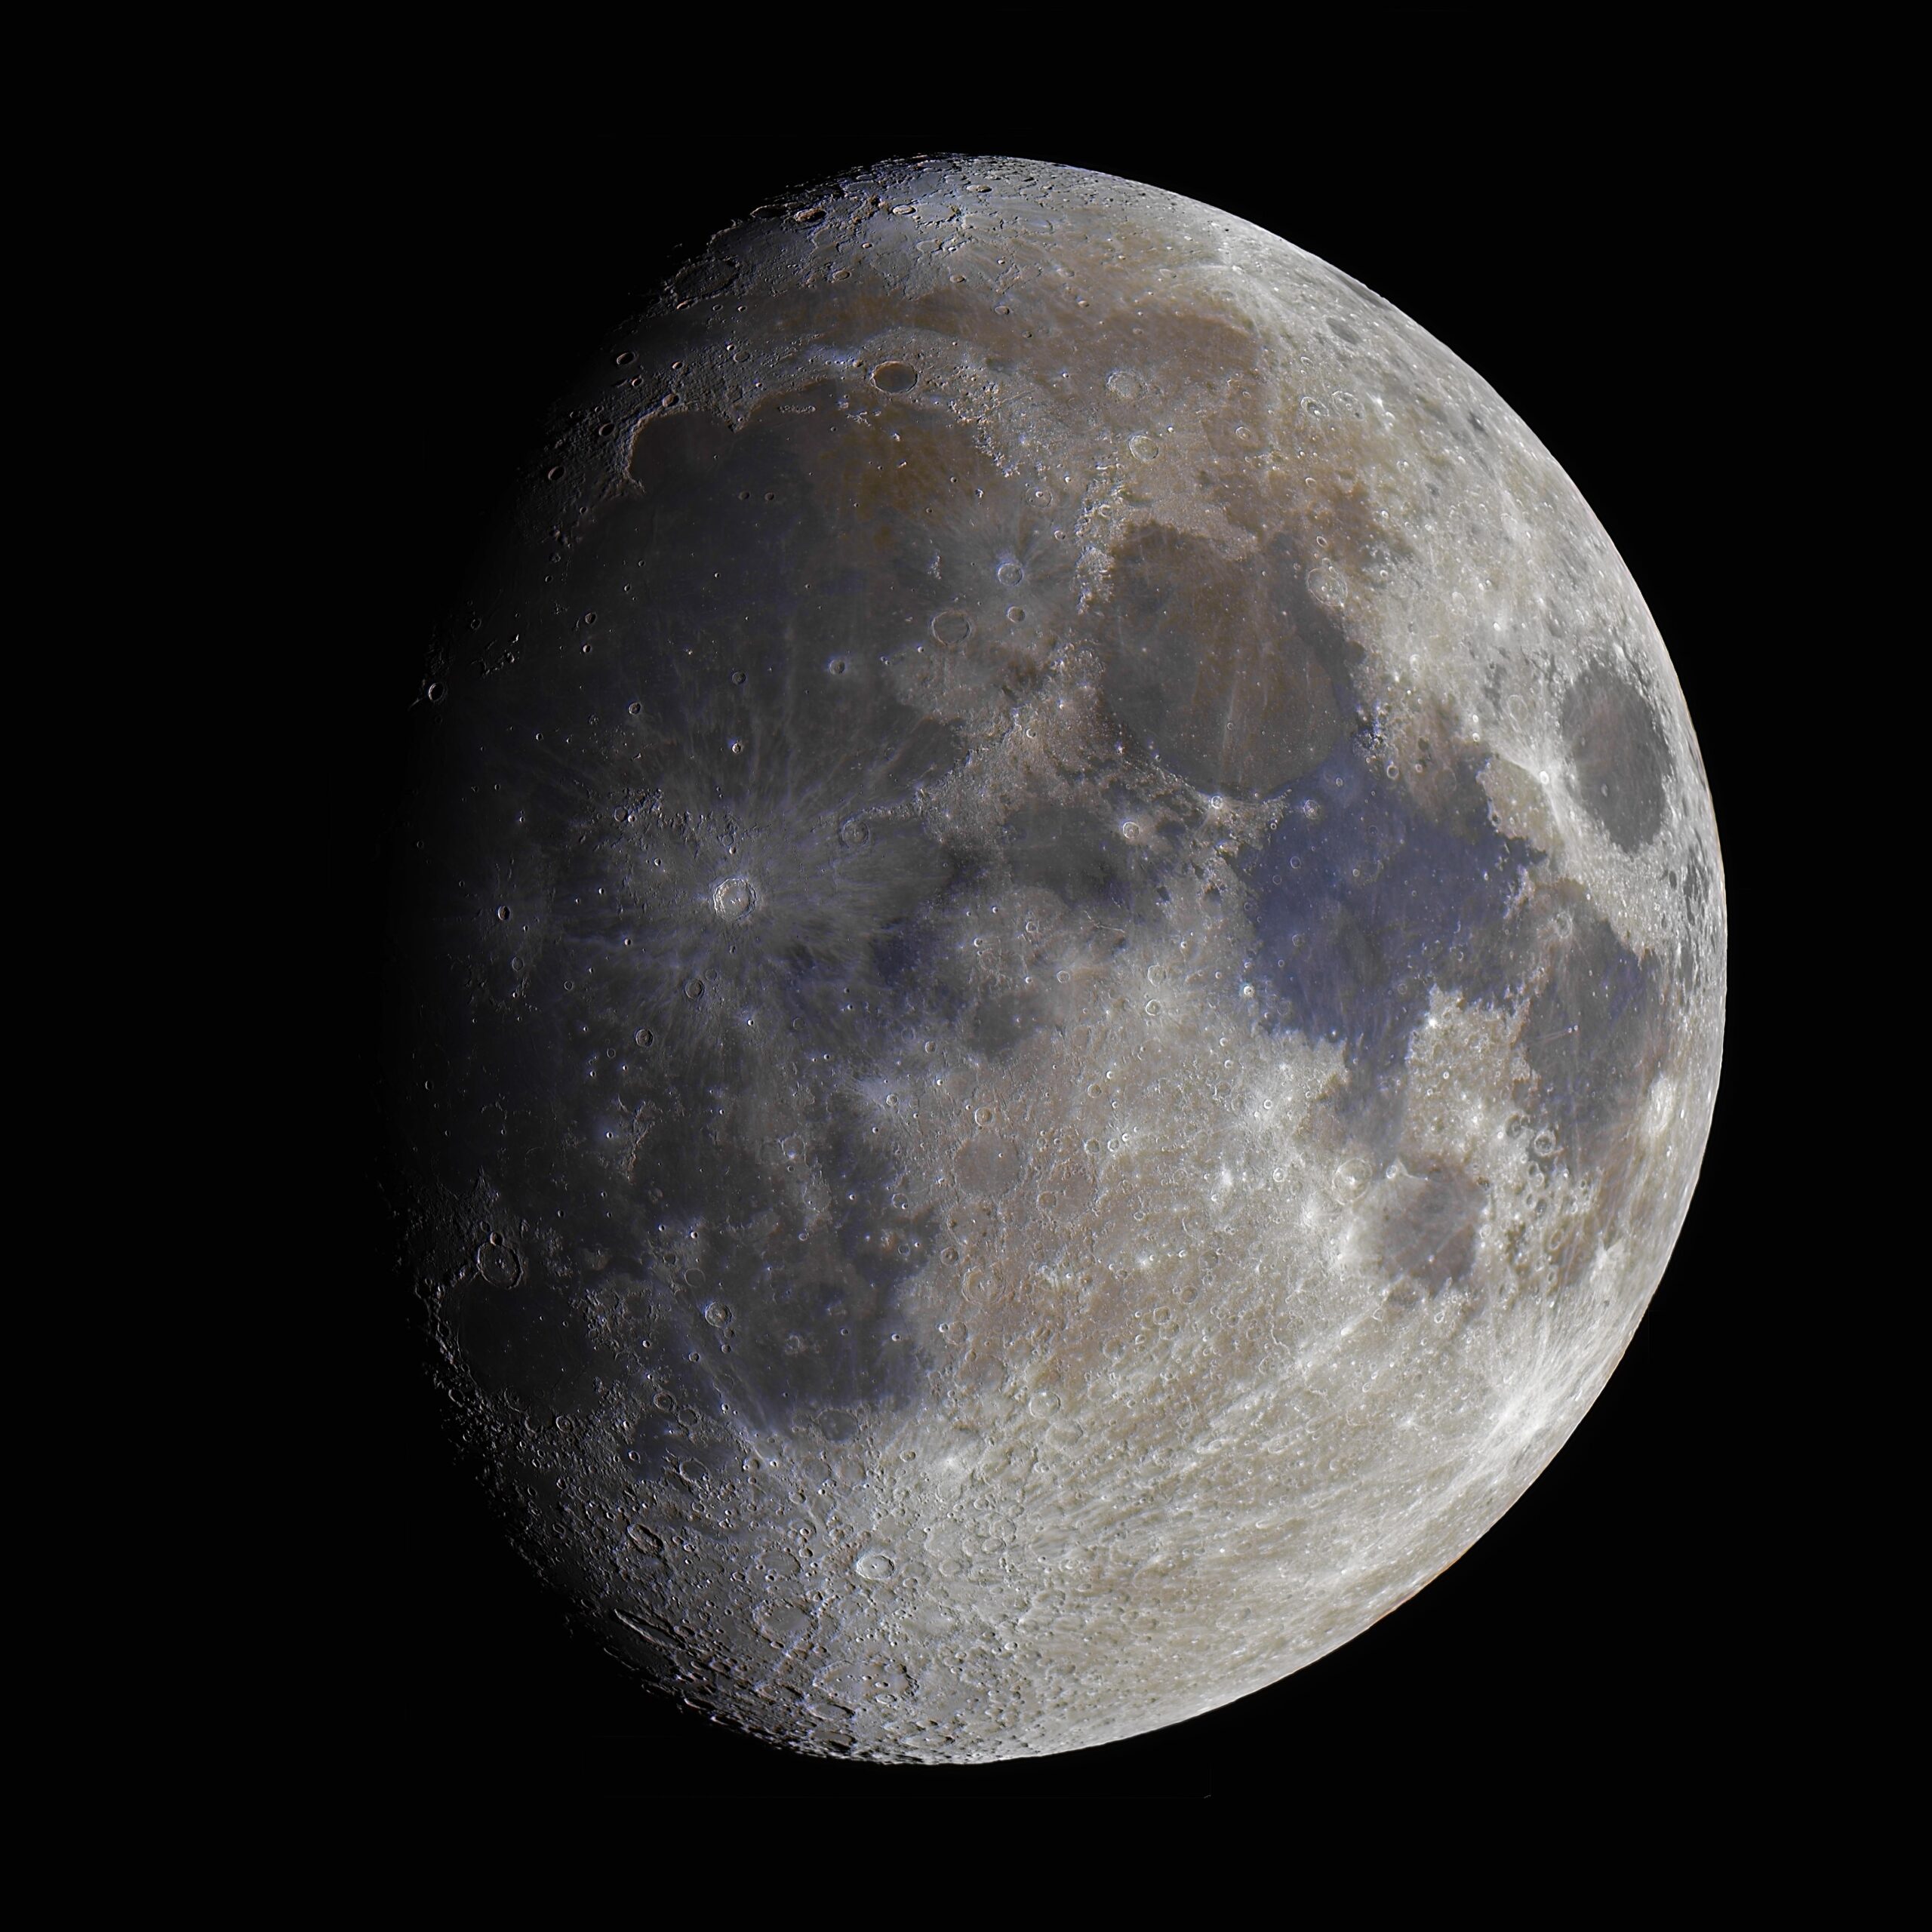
column 1062, row 968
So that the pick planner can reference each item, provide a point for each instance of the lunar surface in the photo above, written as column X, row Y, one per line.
column 1063, row 968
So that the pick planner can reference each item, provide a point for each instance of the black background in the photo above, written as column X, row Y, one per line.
column 1605, row 267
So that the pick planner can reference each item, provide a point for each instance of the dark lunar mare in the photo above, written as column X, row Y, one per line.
column 1225, row 669
column 617, row 1059
column 1595, row 1034
column 1623, row 763
column 1364, row 900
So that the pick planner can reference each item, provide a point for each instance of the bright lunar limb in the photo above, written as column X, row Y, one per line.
column 1063, row 968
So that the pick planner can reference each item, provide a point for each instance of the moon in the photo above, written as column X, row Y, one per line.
column 1062, row 969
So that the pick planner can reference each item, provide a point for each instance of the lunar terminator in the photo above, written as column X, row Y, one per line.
column 1066, row 969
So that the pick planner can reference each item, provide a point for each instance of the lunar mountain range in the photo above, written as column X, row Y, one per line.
column 1063, row 968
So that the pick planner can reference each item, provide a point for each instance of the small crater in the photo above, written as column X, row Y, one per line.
column 1328, row 586
column 1350, row 1181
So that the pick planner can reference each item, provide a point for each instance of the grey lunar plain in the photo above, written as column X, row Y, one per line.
column 1064, row 962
